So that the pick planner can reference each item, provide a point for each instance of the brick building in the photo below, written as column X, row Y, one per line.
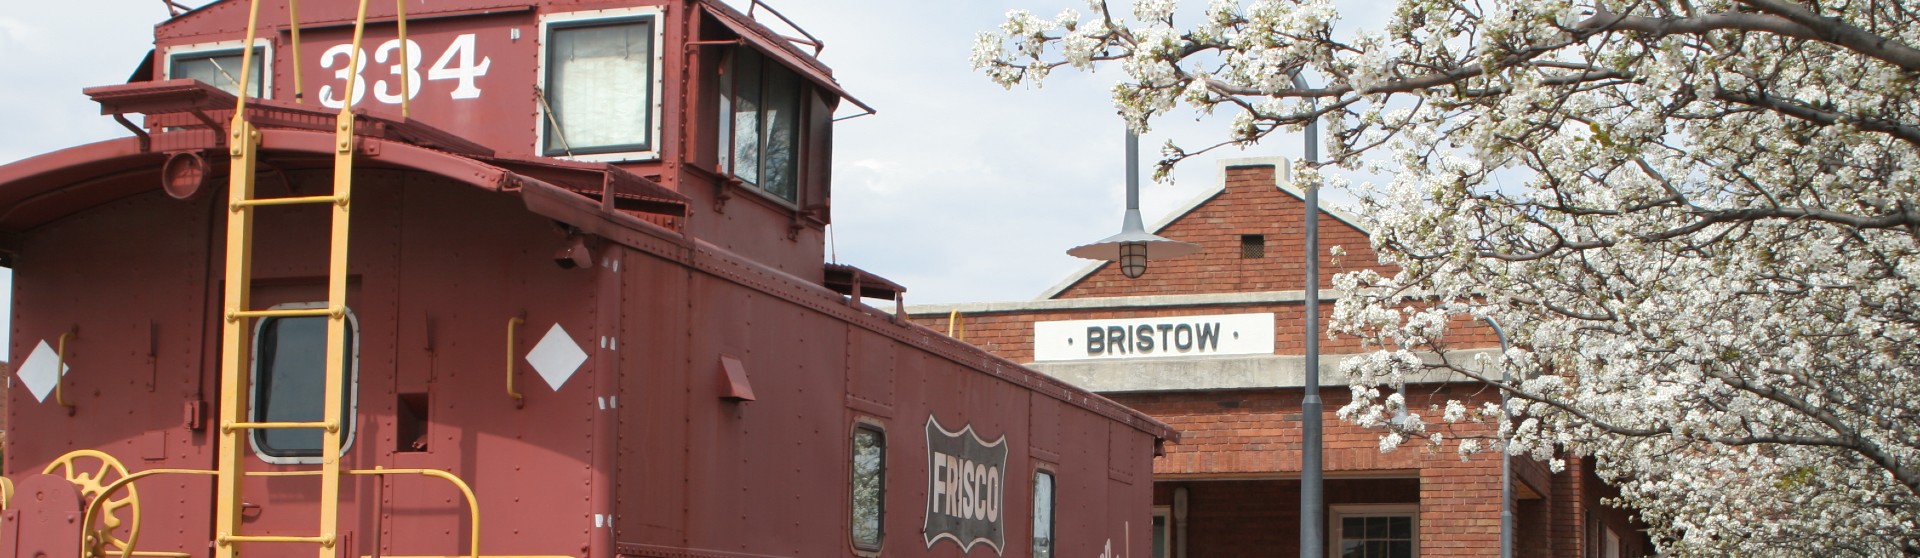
column 1212, row 344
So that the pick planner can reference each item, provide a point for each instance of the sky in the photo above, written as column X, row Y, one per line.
column 957, row 188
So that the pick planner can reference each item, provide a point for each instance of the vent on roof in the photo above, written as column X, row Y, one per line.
column 1253, row 246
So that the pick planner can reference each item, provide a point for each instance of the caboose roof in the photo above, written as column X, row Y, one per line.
column 229, row 18
column 597, row 198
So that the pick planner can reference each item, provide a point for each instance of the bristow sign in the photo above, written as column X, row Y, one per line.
column 1224, row 334
column 966, row 488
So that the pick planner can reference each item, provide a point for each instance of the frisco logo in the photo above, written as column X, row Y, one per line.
column 965, row 488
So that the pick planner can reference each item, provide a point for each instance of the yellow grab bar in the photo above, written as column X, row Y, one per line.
column 60, row 373
column 955, row 328
column 473, row 504
column 106, row 492
column 406, row 89
column 255, row 202
column 322, row 540
column 329, row 312
column 513, row 325
column 293, row 17
column 93, row 507
column 328, row 426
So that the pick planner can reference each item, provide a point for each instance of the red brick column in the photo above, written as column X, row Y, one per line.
column 1460, row 507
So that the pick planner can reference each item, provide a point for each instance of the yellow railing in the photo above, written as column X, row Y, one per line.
column 92, row 542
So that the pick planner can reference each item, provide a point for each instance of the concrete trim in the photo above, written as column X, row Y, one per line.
column 1217, row 373
column 1341, row 474
column 1122, row 302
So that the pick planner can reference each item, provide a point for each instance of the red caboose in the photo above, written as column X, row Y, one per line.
column 361, row 275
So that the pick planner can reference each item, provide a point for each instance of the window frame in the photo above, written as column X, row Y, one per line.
column 1165, row 531
column 1337, row 512
column 1053, row 511
column 879, row 429
column 351, row 420
column 262, row 46
column 656, row 18
column 725, row 86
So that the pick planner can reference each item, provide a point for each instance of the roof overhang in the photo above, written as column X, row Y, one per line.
column 46, row 188
column 772, row 44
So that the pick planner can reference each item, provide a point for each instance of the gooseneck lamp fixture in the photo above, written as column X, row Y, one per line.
column 1134, row 244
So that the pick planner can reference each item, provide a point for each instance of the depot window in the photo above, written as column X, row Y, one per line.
column 220, row 67
column 1375, row 531
column 760, row 123
column 869, row 486
column 1043, row 514
column 289, row 384
column 1162, row 531
column 600, row 86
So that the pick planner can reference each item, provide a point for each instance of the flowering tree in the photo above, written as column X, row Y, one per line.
column 1697, row 218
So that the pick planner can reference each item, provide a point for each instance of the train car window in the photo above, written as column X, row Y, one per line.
column 1042, row 514
column 600, row 86
column 219, row 67
column 289, row 384
column 760, row 123
column 869, row 486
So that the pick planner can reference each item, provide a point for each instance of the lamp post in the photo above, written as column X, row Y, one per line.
column 1313, row 520
column 1134, row 244
column 1506, row 461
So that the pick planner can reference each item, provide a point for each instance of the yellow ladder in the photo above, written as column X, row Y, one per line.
column 243, row 148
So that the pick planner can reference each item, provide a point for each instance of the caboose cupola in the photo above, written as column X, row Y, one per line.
column 693, row 95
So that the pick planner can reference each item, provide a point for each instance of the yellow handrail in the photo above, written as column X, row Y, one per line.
column 293, row 17
column 60, row 373
column 246, row 63
column 93, row 507
column 955, row 328
column 287, row 201
column 513, row 325
column 322, row 425
column 473, row 504
column 406, row 89
column 106, row 492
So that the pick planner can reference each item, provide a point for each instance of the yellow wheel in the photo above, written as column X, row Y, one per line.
column 92, row 471
column 6, row 492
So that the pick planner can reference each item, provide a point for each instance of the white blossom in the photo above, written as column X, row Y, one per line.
column 1699, row 223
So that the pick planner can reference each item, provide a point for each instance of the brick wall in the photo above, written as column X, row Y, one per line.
column 1230, row 436
column 1250, row 204
column 1229, row 518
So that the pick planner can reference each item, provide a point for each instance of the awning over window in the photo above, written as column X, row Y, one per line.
column 773, row 45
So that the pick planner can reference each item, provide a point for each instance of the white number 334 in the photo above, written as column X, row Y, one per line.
column 456, row 63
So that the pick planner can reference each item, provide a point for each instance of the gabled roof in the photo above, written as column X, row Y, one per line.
column 1282, row 178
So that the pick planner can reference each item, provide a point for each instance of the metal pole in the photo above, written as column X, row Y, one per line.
column 1313, row 522
column 1506, row 462
column 1133, row 172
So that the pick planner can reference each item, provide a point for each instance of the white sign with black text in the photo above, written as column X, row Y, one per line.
column 1172, row 336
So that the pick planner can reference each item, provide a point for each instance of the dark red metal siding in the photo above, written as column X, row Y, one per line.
column 470, row 260
column 701, row 472
column 638, row 451
column 132, row 276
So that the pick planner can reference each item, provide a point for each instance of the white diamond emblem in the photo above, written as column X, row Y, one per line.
column 38, row 374
column 556, row 357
